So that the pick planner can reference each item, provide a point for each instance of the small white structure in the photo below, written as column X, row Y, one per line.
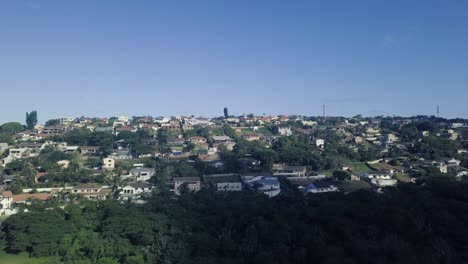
column 108, row 164
column 284, row 131
column 6, row 202
column 384, row 182
column 320, row 143
column 63, row 163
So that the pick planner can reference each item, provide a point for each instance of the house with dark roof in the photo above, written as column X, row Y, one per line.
column 176, row 141
column 89, row 150
column 30, row 145
column 193, row 184
column 251, row 137
column 224, row 182
column 197, row 140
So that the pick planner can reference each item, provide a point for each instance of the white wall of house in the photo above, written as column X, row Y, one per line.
column 229, row 186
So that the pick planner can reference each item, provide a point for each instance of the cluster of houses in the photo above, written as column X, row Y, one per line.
column 231, row 182
column 180, row 145
column 137, row 187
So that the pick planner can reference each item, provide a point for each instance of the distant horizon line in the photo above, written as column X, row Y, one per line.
column 246, row 115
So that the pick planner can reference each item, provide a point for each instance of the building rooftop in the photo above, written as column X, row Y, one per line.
column 220, row 178
column 24, row 197
column 186, row 179
column 7, row 194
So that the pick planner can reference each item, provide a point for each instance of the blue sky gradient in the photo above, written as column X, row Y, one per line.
column 104, row 58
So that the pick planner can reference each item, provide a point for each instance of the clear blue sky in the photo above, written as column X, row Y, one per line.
column 104, row 58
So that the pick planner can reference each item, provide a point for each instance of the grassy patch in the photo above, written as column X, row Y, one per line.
column 3, row 218
column 360, row 167
column 264, row 131
column 402, row 177
column 352, row 186
column 23, row 258
column 217, row 131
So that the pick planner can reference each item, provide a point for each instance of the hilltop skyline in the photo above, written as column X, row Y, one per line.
column 42, row 121
column 151, row 58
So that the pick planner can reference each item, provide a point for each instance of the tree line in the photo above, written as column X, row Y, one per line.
column 414, row 223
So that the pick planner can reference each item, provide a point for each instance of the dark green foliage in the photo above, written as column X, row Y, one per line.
column 226, row 113
column 31, row 119
column 414, row 223
column 434, row 148
column 52, row 122
column 298, row 150
column 6, row 138
column 38, row 233
column 341, row 175
column 11, row 128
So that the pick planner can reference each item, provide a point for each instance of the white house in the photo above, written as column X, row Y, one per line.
column 321, row 187
column 384, row 182
column 379, row 175
column 224, row 182
column 141, row 174
column 6, row 202
column 193, row 183
column 269, row 186
column 136, row 188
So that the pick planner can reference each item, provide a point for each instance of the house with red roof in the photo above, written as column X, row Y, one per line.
column 40, row 175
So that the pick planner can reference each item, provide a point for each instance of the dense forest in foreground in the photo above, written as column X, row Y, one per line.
column 414, row 223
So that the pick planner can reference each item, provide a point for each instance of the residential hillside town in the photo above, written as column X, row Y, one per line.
column 72, row 159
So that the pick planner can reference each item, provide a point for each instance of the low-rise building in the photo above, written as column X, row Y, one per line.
column 135, row 189
column 268, row 185
column 108, row 164
column 142, row 174
column 290, row 171
column 197, row 140
column 6, row 202
column 284, row 130
column 379, row 175
column 193, row 184
column 321, row 187
column 251, row 137
column 91, row 191
column 224, row 182
column 221, row 139
column 89, row 150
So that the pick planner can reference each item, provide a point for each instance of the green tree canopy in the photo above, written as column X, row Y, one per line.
column 11, row 128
